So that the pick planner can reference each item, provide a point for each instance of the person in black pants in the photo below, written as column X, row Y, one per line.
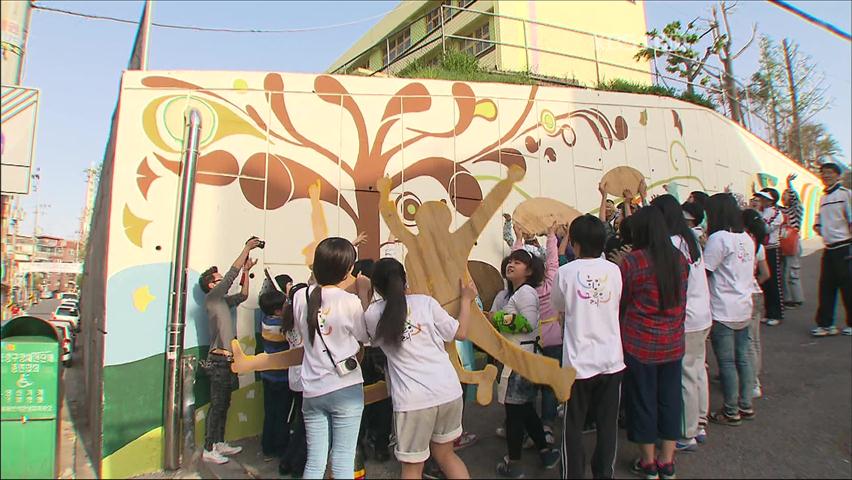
column 834, row 225
column 772, row 288
column 276, row 387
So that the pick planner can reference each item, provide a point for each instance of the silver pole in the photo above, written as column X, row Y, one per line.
column 526, row 49
column 172, row 400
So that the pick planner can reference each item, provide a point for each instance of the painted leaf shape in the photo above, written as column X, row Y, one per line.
column 215, row 168
column 134, row 226
column 411, row 98
column 505, row 156
column 466, row 102
column 145, row 177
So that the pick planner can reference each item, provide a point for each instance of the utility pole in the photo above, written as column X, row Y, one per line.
column 794, row 102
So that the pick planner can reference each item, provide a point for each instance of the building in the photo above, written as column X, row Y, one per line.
column 46, row 248
column 583, row 42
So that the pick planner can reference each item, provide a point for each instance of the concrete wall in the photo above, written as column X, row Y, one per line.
column 267, row 136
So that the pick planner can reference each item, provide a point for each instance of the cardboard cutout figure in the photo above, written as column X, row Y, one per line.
column 437, row 261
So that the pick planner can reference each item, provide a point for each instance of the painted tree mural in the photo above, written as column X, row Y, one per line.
column 286, row 179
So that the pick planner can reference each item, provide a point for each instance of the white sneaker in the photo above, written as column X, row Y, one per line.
column 501, row 432
column 757, row 392
column 224, row 449
column 213, row 456
column 771, row 322
column 847, row 331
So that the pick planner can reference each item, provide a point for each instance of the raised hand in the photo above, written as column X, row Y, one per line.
column 553, row 228
column 469, row 291
column 250, row 263
column 602, row 188
column 360, row 239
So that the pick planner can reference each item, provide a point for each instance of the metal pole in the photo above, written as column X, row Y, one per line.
column 526, row 50
column 443, row 39
column 172, row 400
column 597, row 65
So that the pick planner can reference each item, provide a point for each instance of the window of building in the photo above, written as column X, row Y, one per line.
column 433, row 19
column 465, row 3
column 397, row 45
column 475, row 47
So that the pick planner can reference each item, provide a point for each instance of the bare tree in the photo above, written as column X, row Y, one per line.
column 679, row 47
column 723, row 38
column 806, row 87
column 767, row 90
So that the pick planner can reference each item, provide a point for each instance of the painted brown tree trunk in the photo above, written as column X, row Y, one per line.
column 368, row 221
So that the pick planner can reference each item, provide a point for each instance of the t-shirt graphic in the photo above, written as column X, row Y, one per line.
column 411, row 329
column 593, row 288
column 322, row 319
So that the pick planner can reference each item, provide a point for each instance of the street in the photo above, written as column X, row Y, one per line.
column 802, row 428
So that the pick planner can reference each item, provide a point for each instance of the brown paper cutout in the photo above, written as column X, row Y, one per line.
column 437, row 261
column 536, row 215
column 488, row 281
column 622, row 178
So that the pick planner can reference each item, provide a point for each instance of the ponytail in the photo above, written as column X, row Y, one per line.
column 389, row 281
column 314, row 304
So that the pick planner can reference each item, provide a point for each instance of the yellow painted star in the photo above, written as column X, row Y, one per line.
column 142, row 298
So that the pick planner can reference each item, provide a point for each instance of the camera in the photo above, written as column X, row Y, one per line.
column 260, row 243
column 346, row 366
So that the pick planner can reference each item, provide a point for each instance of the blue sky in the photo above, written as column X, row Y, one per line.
column 77, row 64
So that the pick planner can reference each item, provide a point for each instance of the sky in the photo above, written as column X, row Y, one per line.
column 77, row 64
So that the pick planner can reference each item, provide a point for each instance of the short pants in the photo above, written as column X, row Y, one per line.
column 414, row 429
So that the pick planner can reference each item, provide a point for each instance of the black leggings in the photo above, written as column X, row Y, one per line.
column 520, row 418
column 772, row 291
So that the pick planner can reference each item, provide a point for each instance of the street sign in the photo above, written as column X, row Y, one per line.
column 50, row 267
column 18, row 119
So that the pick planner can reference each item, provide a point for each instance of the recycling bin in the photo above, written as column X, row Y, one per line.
column 29, row 376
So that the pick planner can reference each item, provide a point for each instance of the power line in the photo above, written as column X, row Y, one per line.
column 812, row 19
column 208, row 29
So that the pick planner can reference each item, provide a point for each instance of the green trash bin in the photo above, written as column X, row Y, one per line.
column 29, row 374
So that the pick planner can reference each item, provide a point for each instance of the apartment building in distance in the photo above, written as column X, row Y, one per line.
column 47, row 248
column 580, row 41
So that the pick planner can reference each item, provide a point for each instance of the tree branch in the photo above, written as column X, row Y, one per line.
column 748, row 44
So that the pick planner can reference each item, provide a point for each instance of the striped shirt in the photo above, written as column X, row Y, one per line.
column 793, row 210
column 274, row 341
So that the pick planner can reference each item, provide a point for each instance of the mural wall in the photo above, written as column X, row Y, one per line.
column 267, row 136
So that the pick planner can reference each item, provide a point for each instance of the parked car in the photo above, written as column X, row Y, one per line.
column 70, row 302
column 66, row 337
column 69, row 295
column 46, row 295
column 68, row 314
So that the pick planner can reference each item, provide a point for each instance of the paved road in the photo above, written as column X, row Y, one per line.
column 44, row 308
column 803, row 427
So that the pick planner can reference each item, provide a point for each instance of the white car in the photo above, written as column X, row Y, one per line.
column 67, row 314
column 66, row 338
column 68, row 302
column 69, row 296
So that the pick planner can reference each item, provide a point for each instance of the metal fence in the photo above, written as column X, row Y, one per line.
column 448, row 28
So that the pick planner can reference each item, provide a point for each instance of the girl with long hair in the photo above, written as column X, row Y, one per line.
column 729, row 259
column 653, row 308
column 426, row 394
column 695, row 389
column 331, row 321
column 756, row 228
column 515, row 313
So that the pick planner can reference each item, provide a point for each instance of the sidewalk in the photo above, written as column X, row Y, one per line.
column 74, row 462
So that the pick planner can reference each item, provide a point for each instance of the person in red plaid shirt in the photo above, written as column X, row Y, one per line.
column 653, row 310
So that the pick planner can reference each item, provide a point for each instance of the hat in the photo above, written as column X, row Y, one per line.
column 764, row 195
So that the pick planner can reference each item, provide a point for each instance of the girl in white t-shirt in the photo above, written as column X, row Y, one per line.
column 427, row 397
column 695, row 388
column 729, row 259
column 295, row 456
column 756, row 227
column 516, row 314
column 331, row 323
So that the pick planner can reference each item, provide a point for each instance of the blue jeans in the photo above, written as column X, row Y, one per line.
column 733, row 352
column 336, row 415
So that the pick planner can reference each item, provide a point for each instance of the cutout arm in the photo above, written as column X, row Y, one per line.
column 470, row 231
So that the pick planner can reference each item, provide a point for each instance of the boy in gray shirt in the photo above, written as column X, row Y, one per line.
column 217, row 304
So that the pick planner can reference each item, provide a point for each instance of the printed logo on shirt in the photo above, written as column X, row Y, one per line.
column 322, row 318
column 411, row 329
column 593, row 289
column 743, row 253
column 294, row 339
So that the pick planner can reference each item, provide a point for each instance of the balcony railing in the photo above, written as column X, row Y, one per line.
column 453, row 20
